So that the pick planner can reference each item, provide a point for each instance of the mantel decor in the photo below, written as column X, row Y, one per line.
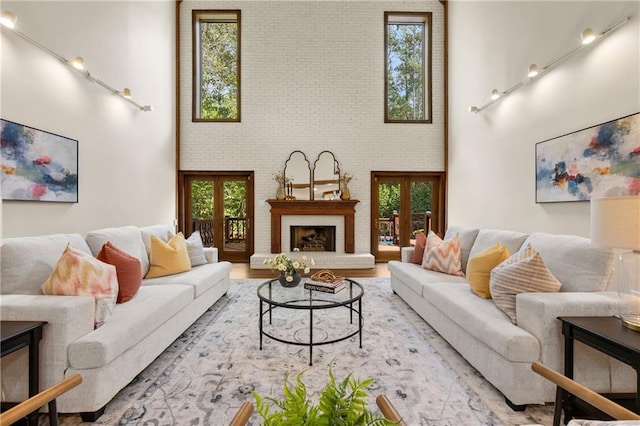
column 597, row 161
column 37, row 165
column 313, row 207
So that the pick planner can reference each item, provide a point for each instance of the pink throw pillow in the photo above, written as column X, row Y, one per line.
column 443, row 256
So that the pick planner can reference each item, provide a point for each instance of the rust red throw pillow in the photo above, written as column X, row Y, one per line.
column 128, row 270
column 418, row 251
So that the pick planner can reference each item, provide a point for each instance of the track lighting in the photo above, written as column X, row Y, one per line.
column 533, row 71
column 77, row 63
column 8, row 19
column 587, row 36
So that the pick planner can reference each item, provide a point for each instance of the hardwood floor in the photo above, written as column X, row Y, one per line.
column 242, row 270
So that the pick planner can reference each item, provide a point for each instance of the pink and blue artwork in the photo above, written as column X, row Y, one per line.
column 603, row 160
column 37, row 165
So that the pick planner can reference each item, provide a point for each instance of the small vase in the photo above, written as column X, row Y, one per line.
column 283, row 280
column 280, row 195
column 346, row 194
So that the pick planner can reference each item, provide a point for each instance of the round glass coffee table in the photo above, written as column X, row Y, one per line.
column 273, row 297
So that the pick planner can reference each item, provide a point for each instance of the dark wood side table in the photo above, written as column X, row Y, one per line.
column 16, row 335
column 607, row 335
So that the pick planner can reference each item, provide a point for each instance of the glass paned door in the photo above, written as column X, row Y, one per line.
column 403, row 204
column 219, row 205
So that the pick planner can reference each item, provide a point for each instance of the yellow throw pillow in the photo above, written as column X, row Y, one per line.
column 168, row 258
column 480, row 266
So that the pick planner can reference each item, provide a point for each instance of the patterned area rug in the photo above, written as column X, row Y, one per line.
column 204, row 377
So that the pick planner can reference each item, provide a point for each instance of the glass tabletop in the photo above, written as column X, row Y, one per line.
column 298, row 297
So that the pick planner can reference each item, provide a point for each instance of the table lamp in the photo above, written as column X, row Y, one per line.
column 615, row 223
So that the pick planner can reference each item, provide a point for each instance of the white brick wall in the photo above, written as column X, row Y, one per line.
column 312, row 80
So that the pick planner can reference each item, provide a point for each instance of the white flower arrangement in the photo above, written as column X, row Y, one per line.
column 281, row 178
column 288, row 267
column 346, row 178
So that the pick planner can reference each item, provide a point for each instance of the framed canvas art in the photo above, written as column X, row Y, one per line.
column 597, row 161
column 37, row 165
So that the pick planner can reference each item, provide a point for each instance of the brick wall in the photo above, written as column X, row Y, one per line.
column 312, row 80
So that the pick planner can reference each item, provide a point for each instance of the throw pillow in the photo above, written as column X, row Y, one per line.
column 168, row 258
column 195, row 249
column 480, row 266
column 79, row 274
column 443, row 256
column 127, row 267
column 524, row 272
column 418, row 251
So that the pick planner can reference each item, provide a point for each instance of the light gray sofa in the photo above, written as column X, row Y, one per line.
column 108, row 357
column 502, row 351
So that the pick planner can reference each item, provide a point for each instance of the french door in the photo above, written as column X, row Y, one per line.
column 220, row 206
column 403, row 204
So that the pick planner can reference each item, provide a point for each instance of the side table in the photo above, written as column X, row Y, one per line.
column 16, row 335
column 605, row 334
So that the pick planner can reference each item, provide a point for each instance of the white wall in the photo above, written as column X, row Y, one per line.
column 491, row 154
column 126, row 156
column 312, row 80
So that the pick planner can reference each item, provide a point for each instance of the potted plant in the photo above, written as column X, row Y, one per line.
column 340, row 403
column 290, row 268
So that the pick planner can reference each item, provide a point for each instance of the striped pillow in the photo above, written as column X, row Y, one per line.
column 524, row 272
column 443, row 256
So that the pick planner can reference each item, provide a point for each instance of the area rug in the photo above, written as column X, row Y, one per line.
column 204, row 377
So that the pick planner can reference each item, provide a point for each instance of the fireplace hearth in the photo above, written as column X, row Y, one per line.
column 313, row 238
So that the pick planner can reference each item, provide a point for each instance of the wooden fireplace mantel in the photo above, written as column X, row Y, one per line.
column 344, row 208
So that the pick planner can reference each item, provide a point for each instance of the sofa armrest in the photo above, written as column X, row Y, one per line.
column 537, row 313
column 67, row 318
column 211, row 253
column 406, row 253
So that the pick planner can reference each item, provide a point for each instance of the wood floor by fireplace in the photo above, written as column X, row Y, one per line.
column 313, row 238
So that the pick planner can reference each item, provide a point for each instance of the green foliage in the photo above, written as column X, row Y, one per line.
column 405, row 76
column 341, row 404
column 202, row 199
column 219, row 70
column 388, row 198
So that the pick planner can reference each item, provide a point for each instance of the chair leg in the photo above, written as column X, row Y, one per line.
column 53, row 413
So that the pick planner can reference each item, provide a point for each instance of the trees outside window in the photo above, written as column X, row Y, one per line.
column 407, row 67
column 216, row 65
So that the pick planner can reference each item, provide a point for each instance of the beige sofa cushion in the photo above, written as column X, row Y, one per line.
column 27, row 262
column 125, row 238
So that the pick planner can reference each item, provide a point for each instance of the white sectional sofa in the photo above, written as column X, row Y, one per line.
column 500, row 350
column 108, row 357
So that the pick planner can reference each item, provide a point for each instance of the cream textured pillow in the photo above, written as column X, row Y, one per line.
column 524, row 272
column 443, row 256
column 80, row 274
column 195, row 249
column 168, row 258
column 480, row 266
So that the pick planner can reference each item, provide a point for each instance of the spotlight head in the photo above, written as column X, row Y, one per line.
column 587, row 36
column 533, row 71
column 474, row 109
column 77, row 63
column 147, row 108
column 495, row 94
column 126, row 93
column 8, row 19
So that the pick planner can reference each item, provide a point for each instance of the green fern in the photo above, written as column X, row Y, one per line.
column 340, row 404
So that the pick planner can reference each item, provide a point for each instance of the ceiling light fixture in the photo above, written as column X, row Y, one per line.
column 8, row 19
column 588, row 36
column 533, row 71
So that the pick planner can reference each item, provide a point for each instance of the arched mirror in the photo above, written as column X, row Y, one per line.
column 297, row 170
column 326, row 177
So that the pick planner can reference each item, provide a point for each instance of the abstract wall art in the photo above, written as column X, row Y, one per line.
column 37, row 165
column 603, row 160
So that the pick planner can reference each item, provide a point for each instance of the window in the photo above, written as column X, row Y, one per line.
column 216, row 65
column 407, row 88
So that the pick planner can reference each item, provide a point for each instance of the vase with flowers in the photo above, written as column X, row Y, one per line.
column 345, row 194
column 282, row 181
column 290, row 268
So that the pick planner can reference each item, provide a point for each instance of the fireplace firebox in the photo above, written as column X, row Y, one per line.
column 313, row 238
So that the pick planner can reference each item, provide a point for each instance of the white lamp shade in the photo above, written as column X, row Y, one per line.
column 615, row 222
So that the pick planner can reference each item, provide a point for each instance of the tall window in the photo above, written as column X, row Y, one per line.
column 407, row 89
column 216, row 65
